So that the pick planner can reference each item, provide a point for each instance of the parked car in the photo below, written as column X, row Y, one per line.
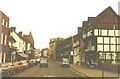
column 25, row 63
column 65, row 62
column 20, row 67
column 7, row 69
column 43, row 63
column 38, row 60
column 4, row 70
column 32, row 62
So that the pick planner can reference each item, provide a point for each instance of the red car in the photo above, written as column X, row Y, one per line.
column 20, row 67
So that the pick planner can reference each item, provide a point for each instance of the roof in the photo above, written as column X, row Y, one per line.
column 106, row 19
column 12, row 39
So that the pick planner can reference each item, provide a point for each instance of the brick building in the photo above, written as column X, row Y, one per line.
column 4, row 26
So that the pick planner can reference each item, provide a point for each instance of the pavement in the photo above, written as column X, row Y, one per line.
column 89, row 72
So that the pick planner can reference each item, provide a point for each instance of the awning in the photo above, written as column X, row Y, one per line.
column 23, row 55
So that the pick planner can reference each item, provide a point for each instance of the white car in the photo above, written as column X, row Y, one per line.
column 65, row 62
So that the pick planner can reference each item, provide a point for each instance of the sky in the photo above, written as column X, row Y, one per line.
column 52, row 18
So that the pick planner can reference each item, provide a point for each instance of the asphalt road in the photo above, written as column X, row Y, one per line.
column 54, row 70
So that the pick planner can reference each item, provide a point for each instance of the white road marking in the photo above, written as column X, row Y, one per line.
column 49, row 76
column 77, row 72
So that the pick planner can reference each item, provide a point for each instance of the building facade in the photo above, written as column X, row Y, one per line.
column 65, row 49
column 4, row 26
column 101, row 37
column 19, row 44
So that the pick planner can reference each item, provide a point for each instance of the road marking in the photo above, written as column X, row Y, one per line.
column 49, row 76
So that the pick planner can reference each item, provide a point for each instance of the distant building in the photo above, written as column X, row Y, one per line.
column 64, row 49
column 45, row 52
column 76, row 47
column 4, row 26
column 52, row 46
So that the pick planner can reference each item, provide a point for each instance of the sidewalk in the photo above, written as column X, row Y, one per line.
column 88, row 72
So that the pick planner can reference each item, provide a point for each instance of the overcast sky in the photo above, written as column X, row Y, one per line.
column 52, row 18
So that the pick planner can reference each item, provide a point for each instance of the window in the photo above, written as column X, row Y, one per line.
column 118, row 32
column 104, row 32
column 111, row 33
column 108, row 55
column 118, row 47
column 96, row 32
column 6, row 24
column 3, row 21
column 106, row 40
column 118, row 40
column 2, row 38
column 4, row 57
column 112, row 40
column 99, row 32
column 100, row 47
column 5, row 41
column 0, row 57
column 101, row 55
column 99, row 39
column 113, row 48
column 106, row 47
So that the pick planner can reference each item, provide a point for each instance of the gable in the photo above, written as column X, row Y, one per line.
column 106, row 19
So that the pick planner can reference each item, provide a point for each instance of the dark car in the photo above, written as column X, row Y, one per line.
column 43, row 63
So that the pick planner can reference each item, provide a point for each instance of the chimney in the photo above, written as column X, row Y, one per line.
column 13, row 29
column 20, row 33
column 79, row 29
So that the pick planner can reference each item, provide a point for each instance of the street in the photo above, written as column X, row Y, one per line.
column 54, row 70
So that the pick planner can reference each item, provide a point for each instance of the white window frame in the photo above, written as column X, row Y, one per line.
column 3, row 21
column 118, row 40
column 100, row 40
column 5, row 41
column 106, row 47
column 96, row 32
column 4, row 57
column 108, row 55
column 118, row 47
column 104, row 32
column 110, row 32
column 2, row 38
column 6, row 24
column 113, row 40
column 0, row 57
column 112, row 47
column 106, row 40
column 100, row 47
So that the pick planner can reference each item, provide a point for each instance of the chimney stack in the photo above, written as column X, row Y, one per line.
column 20, row 33
column 79, row 29
column 13, row 29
